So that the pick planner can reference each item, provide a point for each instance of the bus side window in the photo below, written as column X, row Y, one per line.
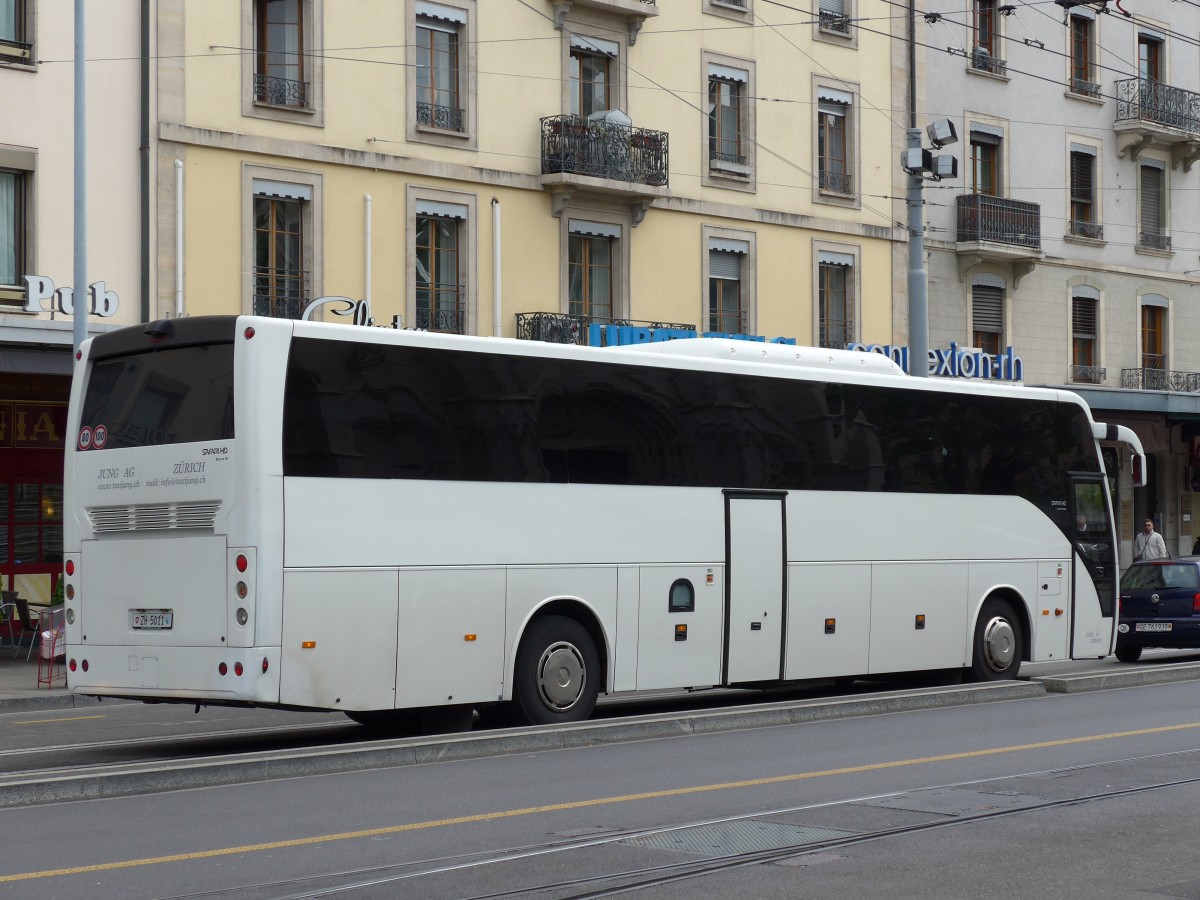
column 682, row 597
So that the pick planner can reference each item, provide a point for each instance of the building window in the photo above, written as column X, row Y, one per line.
column 1083, row 193
column 15, row 45
column 1083, row 53
column 985, row 164
column 1152, row 213
column 833, row 141
column 279, row 74
column 1154, row 330
column 12, row 226
column 835, row 299
column 1150, row 54
column 591, row 265
column 438, row 70
column 726, row 299
column 591, row 76
column 281, row 281
column 1084, row 334
column 726, row 98
column 987, row 318
column 833, row 17
column 440, row 298
column 985, row 38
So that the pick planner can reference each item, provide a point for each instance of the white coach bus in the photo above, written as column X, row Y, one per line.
column 292, row 514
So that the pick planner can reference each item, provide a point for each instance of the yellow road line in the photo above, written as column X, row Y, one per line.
column 583, row 804
column 53, row 721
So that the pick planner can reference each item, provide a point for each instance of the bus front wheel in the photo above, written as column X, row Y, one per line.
column 557, row 677
column 996, row 654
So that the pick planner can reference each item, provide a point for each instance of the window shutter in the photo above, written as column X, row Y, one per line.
column 1083, row 317
column 1151, row 213
column 832, row 7
column 724, row 265
column 1082, row 177
column 987, row 308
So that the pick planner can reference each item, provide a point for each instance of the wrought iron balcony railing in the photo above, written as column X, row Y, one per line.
column 452, row 320
column 982, row 217
column 838, row 182
column 445, row 117
column 983, row 61
column 281, row 92
column 1152, row 379
column 574, row 145
column 1152, row 240
column 1084, row 87
column 1093, row 230
column 1147, row 101
column 835, row 22
column 282, row 293
column 1088, row 374
column 728, row 321
column 561, row 328
column 738, row 159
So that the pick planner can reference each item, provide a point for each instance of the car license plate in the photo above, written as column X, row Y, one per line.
column 1152, row 626
column 153, row 619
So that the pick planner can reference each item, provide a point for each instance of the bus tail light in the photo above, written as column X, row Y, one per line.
column 71, row 665
column 264, row 665
column 222, row 669
column 237, row 669
column 241, row 584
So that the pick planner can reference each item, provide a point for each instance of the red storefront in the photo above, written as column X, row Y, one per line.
column 33, row 418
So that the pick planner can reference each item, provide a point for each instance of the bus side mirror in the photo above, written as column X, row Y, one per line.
column 1137, row 467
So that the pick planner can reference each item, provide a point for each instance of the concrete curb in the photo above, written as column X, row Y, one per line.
column 56, row 700
column 24, row 789
column 1159, row 674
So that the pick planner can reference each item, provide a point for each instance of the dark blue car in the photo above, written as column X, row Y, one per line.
column 1160, row 606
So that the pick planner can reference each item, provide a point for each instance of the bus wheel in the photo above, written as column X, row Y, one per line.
column 557, row 677
column 1128, row 653
column 997, row 650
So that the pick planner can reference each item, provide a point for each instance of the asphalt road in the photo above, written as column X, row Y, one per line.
column 1062, row 794
column 477, row 828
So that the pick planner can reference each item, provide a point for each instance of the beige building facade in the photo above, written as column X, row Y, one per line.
column 527, row 169
column 37, row 246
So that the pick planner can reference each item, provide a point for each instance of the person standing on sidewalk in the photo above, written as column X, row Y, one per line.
column 1149, row 544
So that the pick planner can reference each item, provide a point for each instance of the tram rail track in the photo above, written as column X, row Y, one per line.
column 368, row 881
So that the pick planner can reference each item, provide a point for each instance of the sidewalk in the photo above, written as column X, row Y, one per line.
column 19, row 687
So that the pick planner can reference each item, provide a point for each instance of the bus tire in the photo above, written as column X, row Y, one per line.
column 1129, row 653
column 557, row 675
column 996, row 652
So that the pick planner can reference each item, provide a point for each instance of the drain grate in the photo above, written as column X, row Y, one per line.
column 725, row 838
column 955, row 802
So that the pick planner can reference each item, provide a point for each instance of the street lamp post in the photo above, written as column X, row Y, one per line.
column 920, row 164
column 79, row 298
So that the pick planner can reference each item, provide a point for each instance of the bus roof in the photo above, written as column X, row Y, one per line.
column 779, row 354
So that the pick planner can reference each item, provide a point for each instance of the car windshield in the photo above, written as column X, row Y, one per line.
column 1160, row 576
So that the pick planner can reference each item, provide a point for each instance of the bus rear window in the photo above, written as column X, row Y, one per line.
column 171, row 396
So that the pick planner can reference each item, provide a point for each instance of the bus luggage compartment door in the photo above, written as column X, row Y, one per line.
column 755, row 575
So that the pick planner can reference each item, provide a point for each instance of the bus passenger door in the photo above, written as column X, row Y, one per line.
column 755, row 577
column 1094, row 599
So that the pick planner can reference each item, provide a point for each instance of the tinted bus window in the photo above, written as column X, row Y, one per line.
column 170, row 396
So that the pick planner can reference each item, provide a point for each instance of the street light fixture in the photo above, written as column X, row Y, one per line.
column 920, row 164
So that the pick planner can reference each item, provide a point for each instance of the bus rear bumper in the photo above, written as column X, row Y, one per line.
column 176, row 674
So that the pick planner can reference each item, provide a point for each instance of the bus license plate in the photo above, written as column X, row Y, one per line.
column 1152, row 626
column 153, row 619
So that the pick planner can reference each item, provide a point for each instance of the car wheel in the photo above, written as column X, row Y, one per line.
column 996, row 653
column 1128, row 653
column 557, row 677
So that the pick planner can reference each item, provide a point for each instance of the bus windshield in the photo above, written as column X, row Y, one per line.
column 167, row 396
